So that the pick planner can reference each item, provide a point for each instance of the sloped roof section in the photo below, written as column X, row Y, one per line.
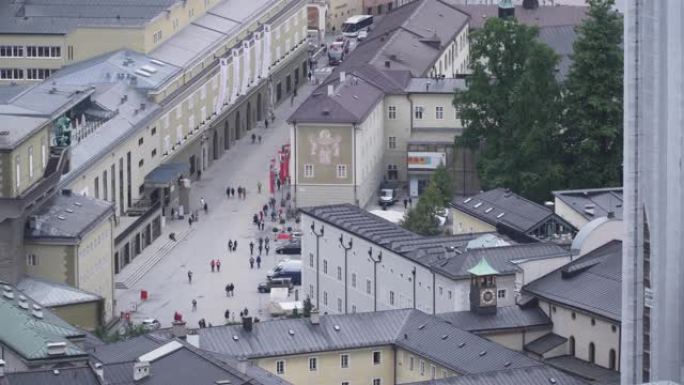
column 52, row 294
column 535, row 375
column 506, row 317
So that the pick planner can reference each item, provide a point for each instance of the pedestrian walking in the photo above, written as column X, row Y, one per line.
column 232, row 289
column 232, row 192
column 226, row 314
column 262, row 225
column 218, row 265
column 258, row 261
column 228, row 192
column 261, row 241
column 261, row 216
column 260, row 249
column 266, row 241
column 405, row 203
column 278, row 183
column 230, row 245
column 266, row 123
column 251, row 248
column 206, row 208
column 244, row 193
column 213, row 265
column 190, row 220
column 253, row 138
column 259, row 187
column 251, row 262
column 235, row 245
column 266, row 248
column 202, row 202
column 245, row 312
column 189, row 276
column 228, row 290
column 309, row 75
column 194, row 304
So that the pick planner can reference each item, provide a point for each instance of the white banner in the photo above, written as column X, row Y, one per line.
column 236, row 75
column 223, row 84
column 246, row 65
column 266, row 60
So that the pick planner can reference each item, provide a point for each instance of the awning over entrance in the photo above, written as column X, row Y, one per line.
column 167, row 174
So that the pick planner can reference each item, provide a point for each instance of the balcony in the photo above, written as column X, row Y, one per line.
column 57, row 165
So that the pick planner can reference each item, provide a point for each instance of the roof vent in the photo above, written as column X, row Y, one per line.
column 445, row 337
column 79, row 204
column 37, row 311
column 421, row 327
column 489, row 210
column 337, row 328
column 23, row 302
column 552, row 380
column 461, row 345
column 482, row 353
column 55, row 372
column 467, row 200
column 70, row 211
column 222, row 382
column 507, row 364
column 478, row 204
column 500, row 215
column 235, row 337
column 141, row 370
column 61, row 217
column 290, row 332
column 7, row 292
column 56, row 348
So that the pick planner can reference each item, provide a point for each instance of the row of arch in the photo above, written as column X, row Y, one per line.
column 612, row 355
column 237, row 126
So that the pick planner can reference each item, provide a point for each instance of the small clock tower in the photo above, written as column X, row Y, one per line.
column 483, row 288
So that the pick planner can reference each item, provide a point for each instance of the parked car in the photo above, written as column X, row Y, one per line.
column 387, row 196
column 151, row 324
column 265, row 287
column 290, row 248
column 289, row 268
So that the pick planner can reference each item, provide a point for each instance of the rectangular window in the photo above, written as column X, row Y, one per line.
column 11, row 51
column 43, row 159
column 153, row 131
column 377, row 381
column 313, row 364
column 38, row 73
column 391, row 297
column 325, row 298
column 96, row 184
column 433, row 371
column 439, row 112
column 105, row 180
column 157, row 37
column 444, row 374
column 339, row 273
column 344, row 361
column 341, row 171
column 353, row 308
column 11, row 73
column 422, row 367
column 311, row 260
column 441, row 290
column 418, row 115
column 449, row 294
column 353, row 280
column 345, row 383
column 154, row 153
column 280, row 367
column 411, row 363
column 30, row 158
column 32, row 260
column 339, row 305
column 308, row 170
column 368, row 286
column 140, row 141
column 311, row 291
column 325, row 266
column 392, row 142
column 376, row 358
column 141, row 162
column 392, row 112
column 203, row 92
column 501, row 293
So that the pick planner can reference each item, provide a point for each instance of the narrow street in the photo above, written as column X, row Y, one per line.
column 245, row 165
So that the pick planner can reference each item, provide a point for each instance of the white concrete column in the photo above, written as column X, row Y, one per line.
column 246, row 70
column 236, row 74
column 258, row 55
column 266, row 61
column 223, row 84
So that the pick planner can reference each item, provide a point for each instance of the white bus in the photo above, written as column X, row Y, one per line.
column 357, row 23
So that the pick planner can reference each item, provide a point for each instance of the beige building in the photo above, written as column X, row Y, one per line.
column 387, row 347
column 136, row 126
column 580, row 207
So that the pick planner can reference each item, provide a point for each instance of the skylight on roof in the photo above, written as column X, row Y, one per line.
column 489, row 210
column 467, row 200
column 141, row 72
column 478, row 204
column 500, row 215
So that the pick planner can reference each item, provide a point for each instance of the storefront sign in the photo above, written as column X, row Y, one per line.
column 425, row 160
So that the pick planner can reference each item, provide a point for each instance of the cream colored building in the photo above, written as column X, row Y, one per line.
column 387, row 347
column 177, row 101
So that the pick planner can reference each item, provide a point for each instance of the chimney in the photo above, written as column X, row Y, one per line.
column 315, row 317
column 66, row 192
column 178, row 329
column 506, row 9
column 7, row 292
column 99, row 370
column 247, row 323
column 387, row 64
column 56, row 348
column 2, row 368
column 331, row 90
column 37, row 311
column 530, row 4
column 23, row 302
column 342, row 76
column 141, row 370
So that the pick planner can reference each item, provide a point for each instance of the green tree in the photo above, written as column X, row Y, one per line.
column 421, row 219
column 307, row 307
column 511, row 110
column 593, row 100
column 444, row 183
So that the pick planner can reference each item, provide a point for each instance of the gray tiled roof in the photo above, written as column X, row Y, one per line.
column 560, row 39
column 52, row 294
column 125, row 351
column 593, row 372
column 448, row 255
column 500, row 205
column 48, row 17
column 592, row 283
column 68, row 216
column 506, row 317
column 433, row 86
column 535, row 375
column 63, row 376
column 604, row 200
column 410, row 329
column 545, row 16
column 545, row 343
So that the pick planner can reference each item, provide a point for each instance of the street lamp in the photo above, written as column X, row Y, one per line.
column 318, row 265
column 346, row 283
column 375, row 260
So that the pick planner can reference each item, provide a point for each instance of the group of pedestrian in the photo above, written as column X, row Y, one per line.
column 215, row 265
column 257, row 260
column 203, row 323
column 241, row 192
column 408, row 202
column 256, row 137
column 230, row 290
column 191, row 219
column 258, row 220
column 232, row 245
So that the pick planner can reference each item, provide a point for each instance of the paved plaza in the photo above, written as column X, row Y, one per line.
column 162, row 268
